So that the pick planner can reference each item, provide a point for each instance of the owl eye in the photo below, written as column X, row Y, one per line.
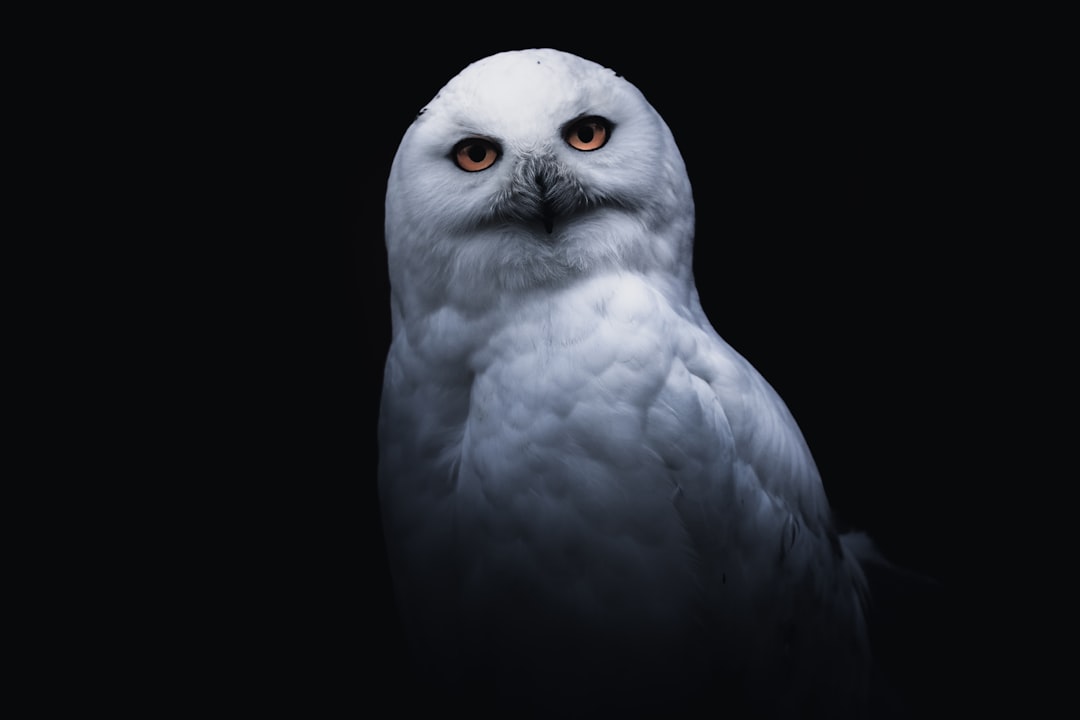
column 589, row 133
column 475, row 154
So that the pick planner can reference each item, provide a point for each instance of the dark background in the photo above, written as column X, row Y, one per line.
column 841, row 175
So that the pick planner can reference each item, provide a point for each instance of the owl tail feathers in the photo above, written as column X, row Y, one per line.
column 877, row 574
column 899, row 606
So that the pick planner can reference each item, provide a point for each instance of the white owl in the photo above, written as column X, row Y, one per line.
column 591, row 501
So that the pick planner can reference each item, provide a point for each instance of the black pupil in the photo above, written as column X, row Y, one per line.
column 585, row 133
column 477, row 153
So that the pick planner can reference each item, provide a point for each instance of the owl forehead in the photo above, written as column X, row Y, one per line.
column 528, row 93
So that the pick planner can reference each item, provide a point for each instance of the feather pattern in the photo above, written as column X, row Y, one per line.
column 591, row 500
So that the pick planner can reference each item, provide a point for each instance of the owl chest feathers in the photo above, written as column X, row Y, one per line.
column 556, row 446
column 587, row 385
column 575, row 441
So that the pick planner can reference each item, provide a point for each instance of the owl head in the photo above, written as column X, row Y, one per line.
column 529, row 169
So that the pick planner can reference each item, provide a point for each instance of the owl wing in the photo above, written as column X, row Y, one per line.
column 760, row 521
column 770, row 461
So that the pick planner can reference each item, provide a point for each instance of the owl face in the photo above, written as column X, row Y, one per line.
column 533, row 167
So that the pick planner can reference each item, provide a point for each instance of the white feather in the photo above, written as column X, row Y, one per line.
column 589, row 497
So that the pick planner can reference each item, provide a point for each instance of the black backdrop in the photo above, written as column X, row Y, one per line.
column 836, row 172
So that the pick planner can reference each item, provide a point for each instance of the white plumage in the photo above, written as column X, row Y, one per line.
column 591, row 501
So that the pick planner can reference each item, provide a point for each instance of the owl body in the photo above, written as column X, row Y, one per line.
column 590, row 500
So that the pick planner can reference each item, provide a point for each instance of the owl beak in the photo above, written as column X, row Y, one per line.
column 547, row 210
column 547, row 215
column 539, row 191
